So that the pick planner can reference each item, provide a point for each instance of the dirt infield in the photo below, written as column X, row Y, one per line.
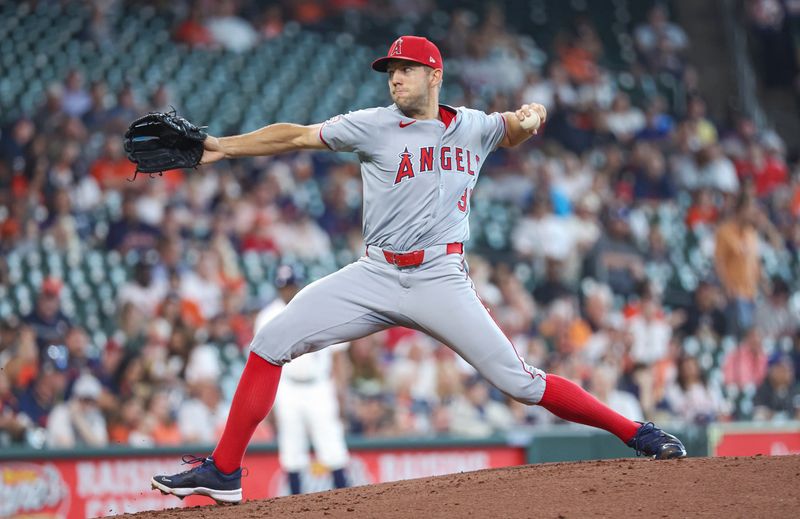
column 705, row 487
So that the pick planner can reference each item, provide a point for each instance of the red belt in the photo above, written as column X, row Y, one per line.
column 415, row 257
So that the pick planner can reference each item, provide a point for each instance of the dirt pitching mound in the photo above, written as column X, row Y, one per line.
column 706, row 487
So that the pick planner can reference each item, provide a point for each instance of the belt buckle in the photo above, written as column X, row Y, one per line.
column 409, row 259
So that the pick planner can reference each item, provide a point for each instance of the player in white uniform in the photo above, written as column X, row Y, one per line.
column 420, row 161
column 305, row 405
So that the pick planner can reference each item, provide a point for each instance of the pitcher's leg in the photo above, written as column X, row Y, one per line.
column 343, row 306
column 445, row 305
column 252, row 400
column 450, row 310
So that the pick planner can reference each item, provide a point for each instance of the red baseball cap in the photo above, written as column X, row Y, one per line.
column 411, row 48
column 51, row 286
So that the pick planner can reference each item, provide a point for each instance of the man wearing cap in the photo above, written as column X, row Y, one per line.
column 420, row 161
column 306, row 407
column 47, row 319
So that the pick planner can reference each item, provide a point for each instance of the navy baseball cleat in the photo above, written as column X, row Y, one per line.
column 649, row 440
column 205, row 479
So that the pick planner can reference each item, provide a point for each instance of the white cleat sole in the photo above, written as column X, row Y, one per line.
column 223, row 497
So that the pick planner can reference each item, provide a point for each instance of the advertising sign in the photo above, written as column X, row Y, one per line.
column 102, row 486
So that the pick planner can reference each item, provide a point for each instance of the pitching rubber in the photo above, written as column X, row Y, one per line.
column 226, row 497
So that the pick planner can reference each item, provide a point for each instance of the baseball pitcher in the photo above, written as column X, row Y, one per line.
column 420, row 161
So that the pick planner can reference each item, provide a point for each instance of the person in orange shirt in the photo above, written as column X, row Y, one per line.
column 160, row 420
column 112, row 169
column 737, row 262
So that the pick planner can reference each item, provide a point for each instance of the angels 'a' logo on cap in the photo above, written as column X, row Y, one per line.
column 397, row 47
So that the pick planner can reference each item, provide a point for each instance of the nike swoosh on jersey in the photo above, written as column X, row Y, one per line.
column 403, row 125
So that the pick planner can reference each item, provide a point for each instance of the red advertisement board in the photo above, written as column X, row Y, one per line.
column 749, row 441
column 103, row 486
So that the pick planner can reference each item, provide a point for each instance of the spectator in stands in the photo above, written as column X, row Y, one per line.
column 615, row 259
column 604, row 385
column 76, row 100
column 541, row 233
column 774, row 315
column 736, row 258
column 517, row 310
column 460, row 33
column 142, row 291
column 68, row 172
column 579, row 52
column 704, row 316
column 229, row 30
column 80, row 358
column 160, row 420
column 746, row 366
column 127, row 424
column 414, row 365
column 475, row 415
column 14, row 144
column 78, row 421
column 125, row 111
column 702, row 213
column 161, row 100
column 38, row 400
column 203, row 285
column 624, row 121
column 702, row 132
column 98, row 114
column 716, row 171
column 658, row 124
column 99, row 29
column 61, row 227
column 765, row 172
column 50, row 114
column 297, row 234
column 778, row 397
column 600, row 321
column 659, row 40
column 774, row 52
column 193, row 30
column 271, row 24
column 552, row 286
column 112, row 170
column 367, row 373
column 129, row 233
column 371, row 414
column 690, row 398
column 19, row 359
column 652, row 181
column 12, row 426
column 649, row 327
column 202, row 417
column 47, row 320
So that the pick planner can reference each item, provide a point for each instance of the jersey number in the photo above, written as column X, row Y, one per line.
column 463, row 202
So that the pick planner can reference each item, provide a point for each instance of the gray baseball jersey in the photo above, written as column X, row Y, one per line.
column 418, row 176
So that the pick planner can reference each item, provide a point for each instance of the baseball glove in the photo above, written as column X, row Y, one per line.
column 161, row 141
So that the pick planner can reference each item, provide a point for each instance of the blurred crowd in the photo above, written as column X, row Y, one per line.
column 623, row 193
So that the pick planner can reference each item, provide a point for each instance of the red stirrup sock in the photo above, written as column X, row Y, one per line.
column 569, row 401
column 252, row 401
